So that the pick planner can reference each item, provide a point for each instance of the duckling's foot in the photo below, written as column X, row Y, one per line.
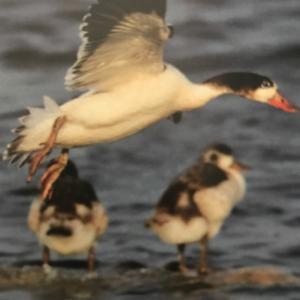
column 47, row 268
column 90, row 276
column 186, row 271
column 181, row 260
column 40, row 155
column 183, row 268
column 203, row 271
column 53, row 172
column 49, row 271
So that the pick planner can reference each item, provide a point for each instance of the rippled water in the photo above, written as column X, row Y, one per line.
column 39, row 41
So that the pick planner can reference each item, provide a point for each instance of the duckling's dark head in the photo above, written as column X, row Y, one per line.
column 223, row 157
column 254, row 87
column 69, row 170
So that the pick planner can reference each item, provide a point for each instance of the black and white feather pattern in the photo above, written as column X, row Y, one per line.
column 119, row 37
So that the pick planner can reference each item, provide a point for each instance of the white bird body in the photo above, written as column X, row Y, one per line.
column 125, row 110
column 108, row 116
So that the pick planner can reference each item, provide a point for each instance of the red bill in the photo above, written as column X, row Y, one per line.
column 280, row 102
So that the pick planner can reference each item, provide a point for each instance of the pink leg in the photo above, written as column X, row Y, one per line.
column 53, row 172
column 46, row 149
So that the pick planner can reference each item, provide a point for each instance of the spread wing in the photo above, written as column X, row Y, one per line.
column 119, row 39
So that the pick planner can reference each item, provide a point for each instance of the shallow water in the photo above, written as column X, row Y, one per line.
column 38, row 43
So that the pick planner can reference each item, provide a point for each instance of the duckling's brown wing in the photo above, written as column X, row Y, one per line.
column 171, row 195
column 203, row 176
column 177, row 200
column 211, row 175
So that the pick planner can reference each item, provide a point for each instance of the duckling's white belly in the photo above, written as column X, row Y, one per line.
column 82, row 239
column 176, row 231
column 105, row 117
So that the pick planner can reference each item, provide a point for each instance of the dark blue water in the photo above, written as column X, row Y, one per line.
column 39, row 40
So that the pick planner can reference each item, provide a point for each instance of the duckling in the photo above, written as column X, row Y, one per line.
column 71, row 219
column 195, row 205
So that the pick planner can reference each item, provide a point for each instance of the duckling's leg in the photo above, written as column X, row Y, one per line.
column 53, row 172
column 181, row 259
column 91, row 259
column 46, row 256
column 203, row 256
column 51, row 273
column 46, row 149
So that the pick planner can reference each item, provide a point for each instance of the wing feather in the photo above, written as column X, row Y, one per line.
column 119, row 39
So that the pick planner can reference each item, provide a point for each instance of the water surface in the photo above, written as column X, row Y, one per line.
column 38, row 43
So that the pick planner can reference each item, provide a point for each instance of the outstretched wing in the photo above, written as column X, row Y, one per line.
column 119, row 39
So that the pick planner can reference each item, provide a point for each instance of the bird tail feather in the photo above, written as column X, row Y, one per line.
column 31, row 132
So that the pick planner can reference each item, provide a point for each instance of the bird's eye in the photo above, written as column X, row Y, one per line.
column 266, row 84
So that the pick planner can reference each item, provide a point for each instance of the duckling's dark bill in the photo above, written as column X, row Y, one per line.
column 280, row 102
